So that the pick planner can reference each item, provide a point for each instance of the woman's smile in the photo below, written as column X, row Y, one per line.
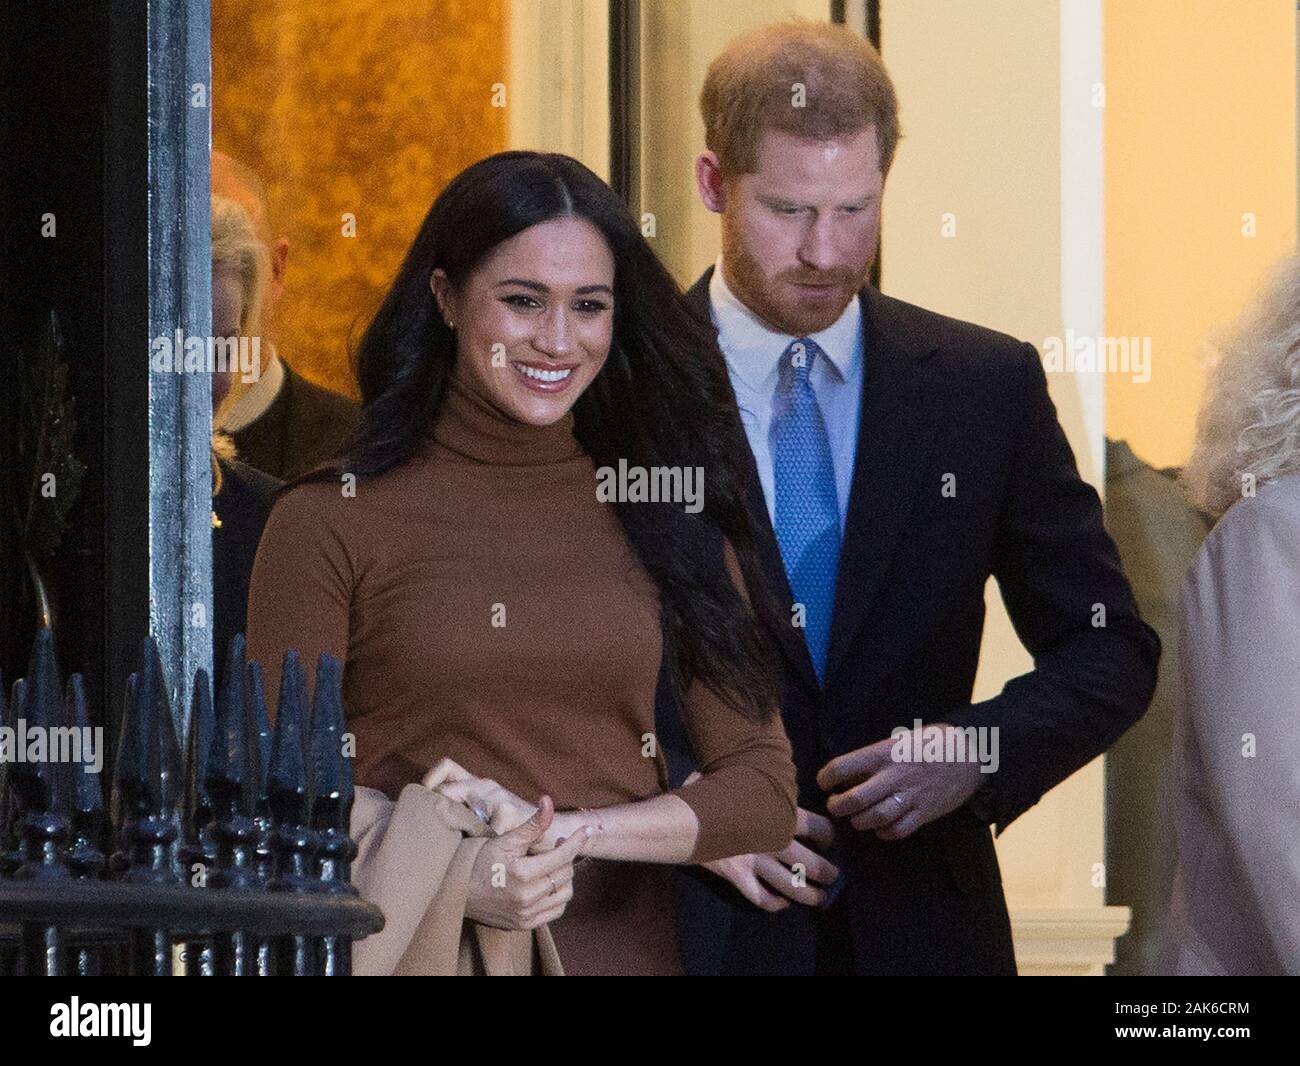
column 545, row 377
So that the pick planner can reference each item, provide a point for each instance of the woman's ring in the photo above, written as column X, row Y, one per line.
column 898, row 798
column 479, row 810
column 551, row 879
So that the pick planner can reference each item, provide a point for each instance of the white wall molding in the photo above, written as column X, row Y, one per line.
column 1067, row 941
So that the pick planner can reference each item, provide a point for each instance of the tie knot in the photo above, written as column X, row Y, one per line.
column 799, row 357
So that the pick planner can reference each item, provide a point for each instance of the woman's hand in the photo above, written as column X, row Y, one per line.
column 511, row 889
column 492, row 802
column 500, row 808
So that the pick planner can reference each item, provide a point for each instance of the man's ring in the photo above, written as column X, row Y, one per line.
column 898, row 798
column 553, row 887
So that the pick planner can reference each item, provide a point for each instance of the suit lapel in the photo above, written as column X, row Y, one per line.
column 895, row 431
column 791, row 641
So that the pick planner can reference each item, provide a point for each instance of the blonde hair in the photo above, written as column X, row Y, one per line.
column 239, row 182
column 235, row 243
column 752, row 85
column 1248, row 429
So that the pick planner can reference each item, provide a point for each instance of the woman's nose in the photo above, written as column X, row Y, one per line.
column 555, row 338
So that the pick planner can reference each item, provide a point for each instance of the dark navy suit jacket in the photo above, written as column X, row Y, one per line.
column 242, row 508
column 943, row 403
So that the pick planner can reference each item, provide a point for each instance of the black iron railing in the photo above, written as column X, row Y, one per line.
column 231, row 855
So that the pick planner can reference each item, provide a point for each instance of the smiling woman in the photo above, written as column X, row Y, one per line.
column 493, row 610
column 555, row 334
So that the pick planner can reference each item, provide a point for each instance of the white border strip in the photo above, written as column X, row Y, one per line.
column 1083, row 249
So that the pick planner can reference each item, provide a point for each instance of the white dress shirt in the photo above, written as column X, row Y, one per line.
column 753, row 350
column 257, row 399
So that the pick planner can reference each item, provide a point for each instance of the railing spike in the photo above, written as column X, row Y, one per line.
column 119, row 860
column 164, row 745
column 331, row 766
column 259, row 734
column 41, row 778
column 331, row 803
column 198, row 804
column 259, row 726
column 288, row 784
column 199, row 846
column 42, row 788
column 146, row 777
column 289, row 796
column 228, row 768
column 86, row 854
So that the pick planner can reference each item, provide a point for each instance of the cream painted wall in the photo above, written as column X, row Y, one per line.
column 1200, row 131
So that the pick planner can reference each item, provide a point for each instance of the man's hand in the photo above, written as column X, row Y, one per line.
column 894, row 799
column 773, row 881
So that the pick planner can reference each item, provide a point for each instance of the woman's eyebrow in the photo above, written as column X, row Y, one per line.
column 537, row 286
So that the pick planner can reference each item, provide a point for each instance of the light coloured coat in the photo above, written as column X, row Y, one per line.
column 414, row 859
column 1236, row 897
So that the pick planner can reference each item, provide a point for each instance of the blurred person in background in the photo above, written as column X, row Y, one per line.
column 281, row 423
column 1158, row 533
column 1236, row 897
column 241, row 495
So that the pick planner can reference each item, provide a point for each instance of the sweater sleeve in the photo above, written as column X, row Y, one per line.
column 300, row 593
column 746, row 799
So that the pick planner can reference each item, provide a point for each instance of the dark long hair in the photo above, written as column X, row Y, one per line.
column 661, row 400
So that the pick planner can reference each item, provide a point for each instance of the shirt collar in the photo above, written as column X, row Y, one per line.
column 754, row 349
column 256, row 400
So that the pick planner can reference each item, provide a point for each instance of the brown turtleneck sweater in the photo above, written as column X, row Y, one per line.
column 488, row 608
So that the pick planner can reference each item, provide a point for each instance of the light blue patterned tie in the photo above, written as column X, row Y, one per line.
column 807, row 510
